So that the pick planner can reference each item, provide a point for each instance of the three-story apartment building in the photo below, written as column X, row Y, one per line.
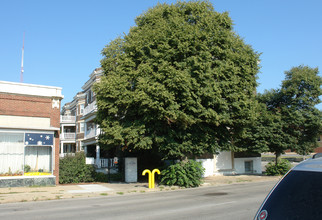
column 72, row 126
column 79, row 130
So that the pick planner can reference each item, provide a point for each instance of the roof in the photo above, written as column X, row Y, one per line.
column 30, row 89
column 314, row 165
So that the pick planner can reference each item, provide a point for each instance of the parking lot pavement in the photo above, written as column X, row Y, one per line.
column 69, row 191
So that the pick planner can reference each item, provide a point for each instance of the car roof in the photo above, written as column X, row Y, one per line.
column 314, row 165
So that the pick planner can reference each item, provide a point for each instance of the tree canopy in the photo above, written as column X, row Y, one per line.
column 300, row 94
column 289, row 117
column 181, row 82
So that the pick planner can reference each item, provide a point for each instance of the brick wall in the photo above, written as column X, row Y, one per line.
column 19, row 105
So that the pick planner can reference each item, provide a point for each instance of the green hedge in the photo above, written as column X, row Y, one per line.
column 183, row 174
column 73, row 169
column 282, row 167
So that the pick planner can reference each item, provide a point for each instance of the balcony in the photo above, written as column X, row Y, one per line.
column 68, row 136
column 90, row 108
column 93, row 132
column 67, row 119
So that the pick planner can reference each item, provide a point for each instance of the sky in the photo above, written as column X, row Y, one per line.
column 64, row 38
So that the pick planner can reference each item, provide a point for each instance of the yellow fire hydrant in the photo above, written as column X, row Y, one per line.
column 151, row 176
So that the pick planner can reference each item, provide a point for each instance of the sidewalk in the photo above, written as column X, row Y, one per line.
column 27, row 194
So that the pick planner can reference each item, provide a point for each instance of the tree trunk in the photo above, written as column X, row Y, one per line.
column 277, row 158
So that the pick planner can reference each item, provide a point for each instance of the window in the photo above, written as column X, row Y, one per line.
column 81, row 109
column 69, row 148
column 82, row 127
column 89, row 96
column 297, row 196
column 11, row 153
column 39, row 158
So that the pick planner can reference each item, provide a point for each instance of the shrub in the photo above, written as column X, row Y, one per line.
column 101, row 177
column 282, row 167
column 73, row 169
column 184, row 174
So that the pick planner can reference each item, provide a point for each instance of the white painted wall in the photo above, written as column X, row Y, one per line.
column 30, row 89
column 90, row 160
column 24, row 122
column 208, row 164
column 240, row 165
column 223, row 161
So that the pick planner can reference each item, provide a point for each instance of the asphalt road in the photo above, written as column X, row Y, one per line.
column 228, row 202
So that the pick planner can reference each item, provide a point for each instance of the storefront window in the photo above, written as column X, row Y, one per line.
column 11, row 154
column 38, row 160
column 38, row 154
column 28, row 154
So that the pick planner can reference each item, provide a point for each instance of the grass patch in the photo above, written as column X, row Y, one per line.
column 10, row 193
column 120, row 193
column 241, row 181
column 36, row 186
column 142, row 191
column 103, row 194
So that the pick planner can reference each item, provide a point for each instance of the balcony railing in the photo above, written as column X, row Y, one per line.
column 101, row 163
column 66, row 154
column 90, row 108
column 68, row 136
column 91, row 133
column 67, row 118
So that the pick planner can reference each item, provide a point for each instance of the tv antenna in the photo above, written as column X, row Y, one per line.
column 23, row 48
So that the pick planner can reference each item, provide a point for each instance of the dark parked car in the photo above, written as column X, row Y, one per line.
column 297, row 196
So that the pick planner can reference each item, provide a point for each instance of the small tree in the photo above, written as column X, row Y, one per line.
column 301, row 90
column 291, row 119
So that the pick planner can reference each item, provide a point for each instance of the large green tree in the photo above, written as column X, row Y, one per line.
column 181, row 82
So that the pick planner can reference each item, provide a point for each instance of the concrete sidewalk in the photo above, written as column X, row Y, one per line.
column 69, row 191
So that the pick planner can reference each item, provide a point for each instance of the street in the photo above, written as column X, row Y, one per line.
column 228, row 202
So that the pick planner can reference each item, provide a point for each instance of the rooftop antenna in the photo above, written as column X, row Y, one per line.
column 23, row 48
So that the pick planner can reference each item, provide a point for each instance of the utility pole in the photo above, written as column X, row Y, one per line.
column 23, row 48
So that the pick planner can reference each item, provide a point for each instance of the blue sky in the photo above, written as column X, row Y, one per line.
column 64, row 39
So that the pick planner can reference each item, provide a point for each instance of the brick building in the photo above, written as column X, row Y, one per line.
column 29, row 134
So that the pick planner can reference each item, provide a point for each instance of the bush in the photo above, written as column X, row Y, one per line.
column 101, row 177
column 184, row 174
column 282, row 167
column 73, row 169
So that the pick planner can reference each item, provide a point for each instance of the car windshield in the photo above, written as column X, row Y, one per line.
column 298, row 196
